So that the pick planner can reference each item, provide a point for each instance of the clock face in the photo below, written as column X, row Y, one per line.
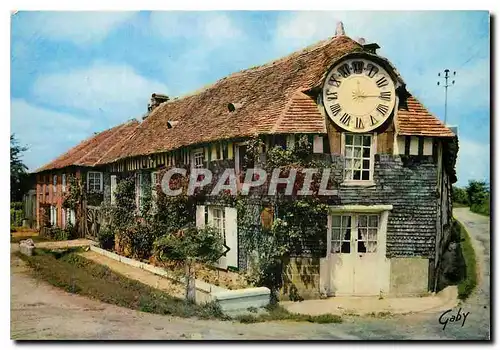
column 358, row 95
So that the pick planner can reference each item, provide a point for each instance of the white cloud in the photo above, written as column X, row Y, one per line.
column 213, row 26
column 104, row 90
column 473, row 161
column 47, row 133
column 78, row 27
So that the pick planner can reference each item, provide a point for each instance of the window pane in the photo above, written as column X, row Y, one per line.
column 357, row 175
column 357, row 140
column 371, row 247
column 357, row 152
column 373, row 220
column 362, row 220
column 366, row 140
column 348, row 164
column 335, row 247
column 362, row 234
column 347, row 234
column 356, row 164
column 372, row 234
column 348, row 175
column 348, row 152
column 366, row 152
column 348, row 139
column 366, row 175
column 346, row 247
column 336, row 221
column 336, row 234
column 366, row 164
column 346, row 221
column 361, row 247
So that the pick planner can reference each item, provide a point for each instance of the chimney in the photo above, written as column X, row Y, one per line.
column 339, row 31
column 371, row 48
column 156, row 100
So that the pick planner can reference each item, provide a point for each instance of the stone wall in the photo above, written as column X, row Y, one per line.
column 301, row 279
column 409, row 276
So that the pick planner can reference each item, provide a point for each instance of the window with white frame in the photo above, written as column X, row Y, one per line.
column 355, row 231
column 197, row 158
column 94, row 181
column 54, row 183
column 217, row 220
column 63, row 182
column 358, row 157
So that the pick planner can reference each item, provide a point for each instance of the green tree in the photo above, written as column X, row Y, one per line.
column 459, row 195
column 188, row 246
column 19, row 180
column 477, row 192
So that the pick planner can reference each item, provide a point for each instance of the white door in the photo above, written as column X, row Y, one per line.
column 231, row 232
column 356, row 263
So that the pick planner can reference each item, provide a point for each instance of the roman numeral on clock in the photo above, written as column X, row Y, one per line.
column 357, row 67
column 385, row 95
column 382, row 82
column 334, row 82
column 335, row 109
column 345, row 119
column 330, row 96
column 383, row 109
column 344, row 70
column 373, row 120
column 359, row 123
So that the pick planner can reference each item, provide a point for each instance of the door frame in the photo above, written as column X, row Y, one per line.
column 383, row 211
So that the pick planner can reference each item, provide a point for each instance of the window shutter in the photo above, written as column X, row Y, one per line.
column 113, row 189
column 318, row 144
column 200, row 216
column 231, row 231
column 63, row 218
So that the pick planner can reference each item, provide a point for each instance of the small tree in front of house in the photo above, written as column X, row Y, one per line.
column 188, row 246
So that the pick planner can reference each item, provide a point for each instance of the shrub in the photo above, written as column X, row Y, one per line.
column 205, row 245
column 16, row 217
column 106, row 238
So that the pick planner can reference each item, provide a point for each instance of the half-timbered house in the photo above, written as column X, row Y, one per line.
column 394, row 161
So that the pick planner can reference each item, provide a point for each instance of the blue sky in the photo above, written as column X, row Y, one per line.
column 76, row 73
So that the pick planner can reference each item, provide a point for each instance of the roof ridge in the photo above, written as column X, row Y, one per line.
column 313, row 47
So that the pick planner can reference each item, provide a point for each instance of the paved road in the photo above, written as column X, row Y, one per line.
column 40, row 311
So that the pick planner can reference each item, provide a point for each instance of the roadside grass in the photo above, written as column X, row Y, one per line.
column 35, row 239
column 459, row 205
column 483, row 208
column 279, row 313
column 76, row 274
column 467, row 285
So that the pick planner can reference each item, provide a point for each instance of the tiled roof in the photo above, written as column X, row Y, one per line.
column 269, row 99
column 300, row 115
column 415, row 120
column 264, row 92
column 90, row 151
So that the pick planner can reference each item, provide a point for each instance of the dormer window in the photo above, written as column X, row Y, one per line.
column 197, row 158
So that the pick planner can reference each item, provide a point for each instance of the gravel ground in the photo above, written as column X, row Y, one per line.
column 40, row 311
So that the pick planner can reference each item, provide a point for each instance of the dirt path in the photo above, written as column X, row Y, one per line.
column 40, row 311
